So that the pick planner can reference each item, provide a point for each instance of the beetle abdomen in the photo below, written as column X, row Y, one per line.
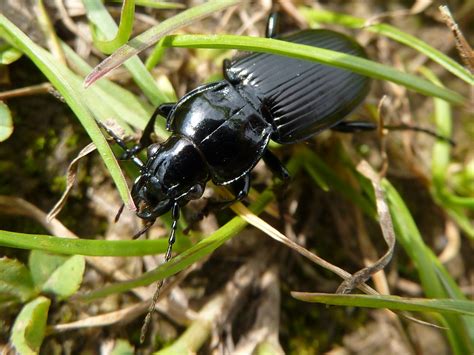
column 301, row 97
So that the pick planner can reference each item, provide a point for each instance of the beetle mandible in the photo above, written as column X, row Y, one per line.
column 221, row 130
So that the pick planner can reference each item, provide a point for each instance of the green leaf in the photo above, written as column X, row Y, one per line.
column 459, row 307
column 57, row 274
column 29, row 328
column 6, row 122
column 8, row 54
column 325, row 56
column 42, row 265
column 15, row 281
column 393, row 33
column 67, row 278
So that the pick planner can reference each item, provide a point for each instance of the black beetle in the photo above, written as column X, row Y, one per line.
column 221, row 130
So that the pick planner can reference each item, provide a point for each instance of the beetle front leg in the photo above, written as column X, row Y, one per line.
column 129, row 154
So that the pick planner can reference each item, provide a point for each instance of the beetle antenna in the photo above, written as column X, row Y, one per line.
column 147, row 226
column 119, row 213
column 129, row 153
column 159, row 284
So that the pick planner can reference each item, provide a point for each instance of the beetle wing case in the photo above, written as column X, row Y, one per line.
column 301, row 97
column 224, row 127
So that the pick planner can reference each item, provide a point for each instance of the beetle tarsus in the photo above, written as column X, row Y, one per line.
column 172, row 238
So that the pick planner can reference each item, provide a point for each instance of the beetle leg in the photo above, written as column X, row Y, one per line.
column 175, row 216
column 275, row 165
column 354, row 126
column 272, row 25
column 228, row 74
column 145, row 140
column 165, row 110
column 147, row 226
column 162, row 110
column 129, row 154
column 359, row 126
column 428, row 131
column 278, row 169
column 240, row 188
column 172, row 238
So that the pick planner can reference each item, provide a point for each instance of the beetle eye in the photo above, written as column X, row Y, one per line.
column 152, row 149
column 196, row 191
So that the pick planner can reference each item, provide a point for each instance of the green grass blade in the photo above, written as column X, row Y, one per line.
column 325, row 56
column 120, row 103
column 459, row 307
column 89, row 247
column 435, row 280
column 455, row 205
column 392, row 33
column 153, row 35
column 8, row 54
column 124, row 29
column 163, row 5
column 138, row 70
column 64, row 81
column 156, row 55
column 409, row 237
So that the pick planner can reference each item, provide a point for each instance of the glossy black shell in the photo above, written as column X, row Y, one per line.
column 301, row 98
column 266, row 96
column 227, row 131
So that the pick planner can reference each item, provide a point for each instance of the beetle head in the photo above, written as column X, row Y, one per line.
column 173, row 173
